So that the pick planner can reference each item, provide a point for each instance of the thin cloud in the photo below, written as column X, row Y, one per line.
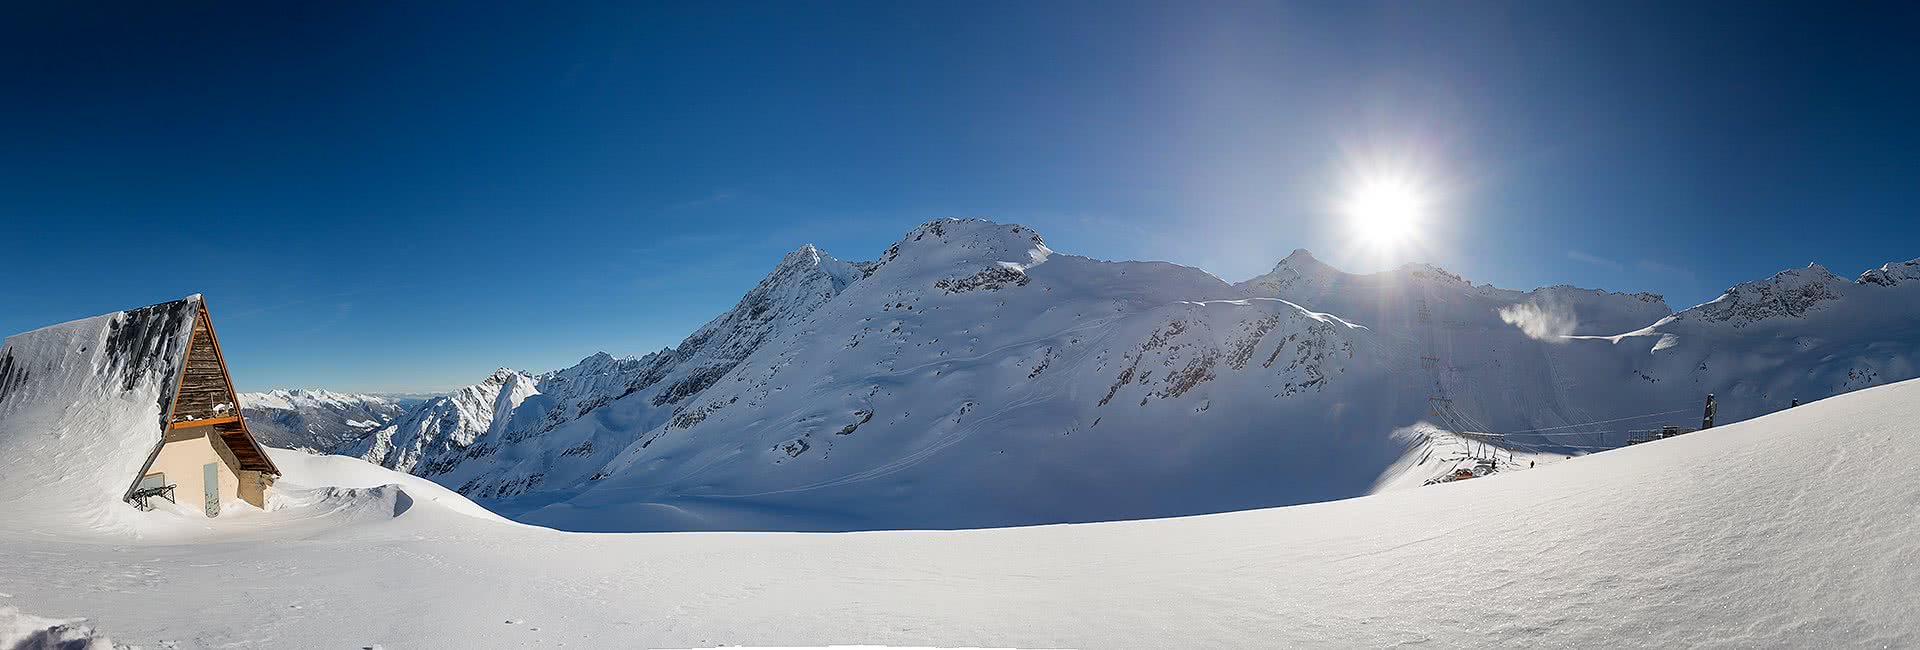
column 1663, row 268
column 1596, row 260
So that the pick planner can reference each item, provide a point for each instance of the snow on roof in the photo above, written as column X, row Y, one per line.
column 82, row 406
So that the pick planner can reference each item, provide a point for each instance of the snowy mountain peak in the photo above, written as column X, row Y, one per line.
column 444, row 425
column 808, row 265
column 1301, row 274
column 1788, row 294
column 1892, row 273
column 967, row 229
column 803, row 281
column 805, row 255
column 806, row 252
column 1298, row 272
column 977, row 242
column 1302, row 261
column 1813, row 272
column 598, row 362
column 501, row 376
column 1795, row 293
column 509, row 407
column 1425, row 271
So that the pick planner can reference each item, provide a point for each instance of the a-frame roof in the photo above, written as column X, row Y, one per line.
column 85, row 404
column 204, row 396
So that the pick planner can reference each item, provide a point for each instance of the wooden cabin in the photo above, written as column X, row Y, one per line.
column 205, row 456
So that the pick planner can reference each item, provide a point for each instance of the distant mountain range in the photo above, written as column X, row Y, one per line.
column 319, row 420
column 970, row 376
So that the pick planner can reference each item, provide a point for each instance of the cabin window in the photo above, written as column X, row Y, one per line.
column 154, row 480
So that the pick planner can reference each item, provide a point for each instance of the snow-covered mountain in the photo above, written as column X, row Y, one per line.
column 318, row 420
column 1086, row 388
column 971, row 376
column 473, row 438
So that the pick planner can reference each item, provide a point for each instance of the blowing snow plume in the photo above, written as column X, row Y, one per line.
column 1551, row 322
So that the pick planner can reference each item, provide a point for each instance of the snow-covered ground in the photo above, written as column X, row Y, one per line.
column 1795, row 529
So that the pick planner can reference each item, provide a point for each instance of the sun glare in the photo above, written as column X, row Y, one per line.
column 1385, row 213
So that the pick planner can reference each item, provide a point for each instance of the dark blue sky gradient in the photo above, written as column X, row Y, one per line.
column 399, row 196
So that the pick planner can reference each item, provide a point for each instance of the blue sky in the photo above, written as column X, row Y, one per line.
column 384, row 196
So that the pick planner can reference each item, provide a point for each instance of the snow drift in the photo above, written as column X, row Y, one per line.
column 82, row 406
column 1790, row 530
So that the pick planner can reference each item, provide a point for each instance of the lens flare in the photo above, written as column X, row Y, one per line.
column 1385, row 213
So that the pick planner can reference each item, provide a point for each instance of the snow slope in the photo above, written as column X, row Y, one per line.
column 973, row 377
column 1803, row 333
column 319, row 420
column 82, row 406
column 1795, row 529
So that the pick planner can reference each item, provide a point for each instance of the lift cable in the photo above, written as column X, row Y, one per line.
column 1582, row 424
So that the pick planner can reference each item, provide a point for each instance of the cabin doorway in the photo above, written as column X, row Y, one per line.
column 210, row 484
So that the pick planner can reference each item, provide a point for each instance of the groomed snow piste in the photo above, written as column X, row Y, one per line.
column 1795, row 529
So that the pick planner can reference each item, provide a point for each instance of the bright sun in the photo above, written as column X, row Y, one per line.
column 1385, row 213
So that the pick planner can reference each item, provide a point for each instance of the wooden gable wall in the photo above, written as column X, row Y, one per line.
column 205, row 393
column 205, row 397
